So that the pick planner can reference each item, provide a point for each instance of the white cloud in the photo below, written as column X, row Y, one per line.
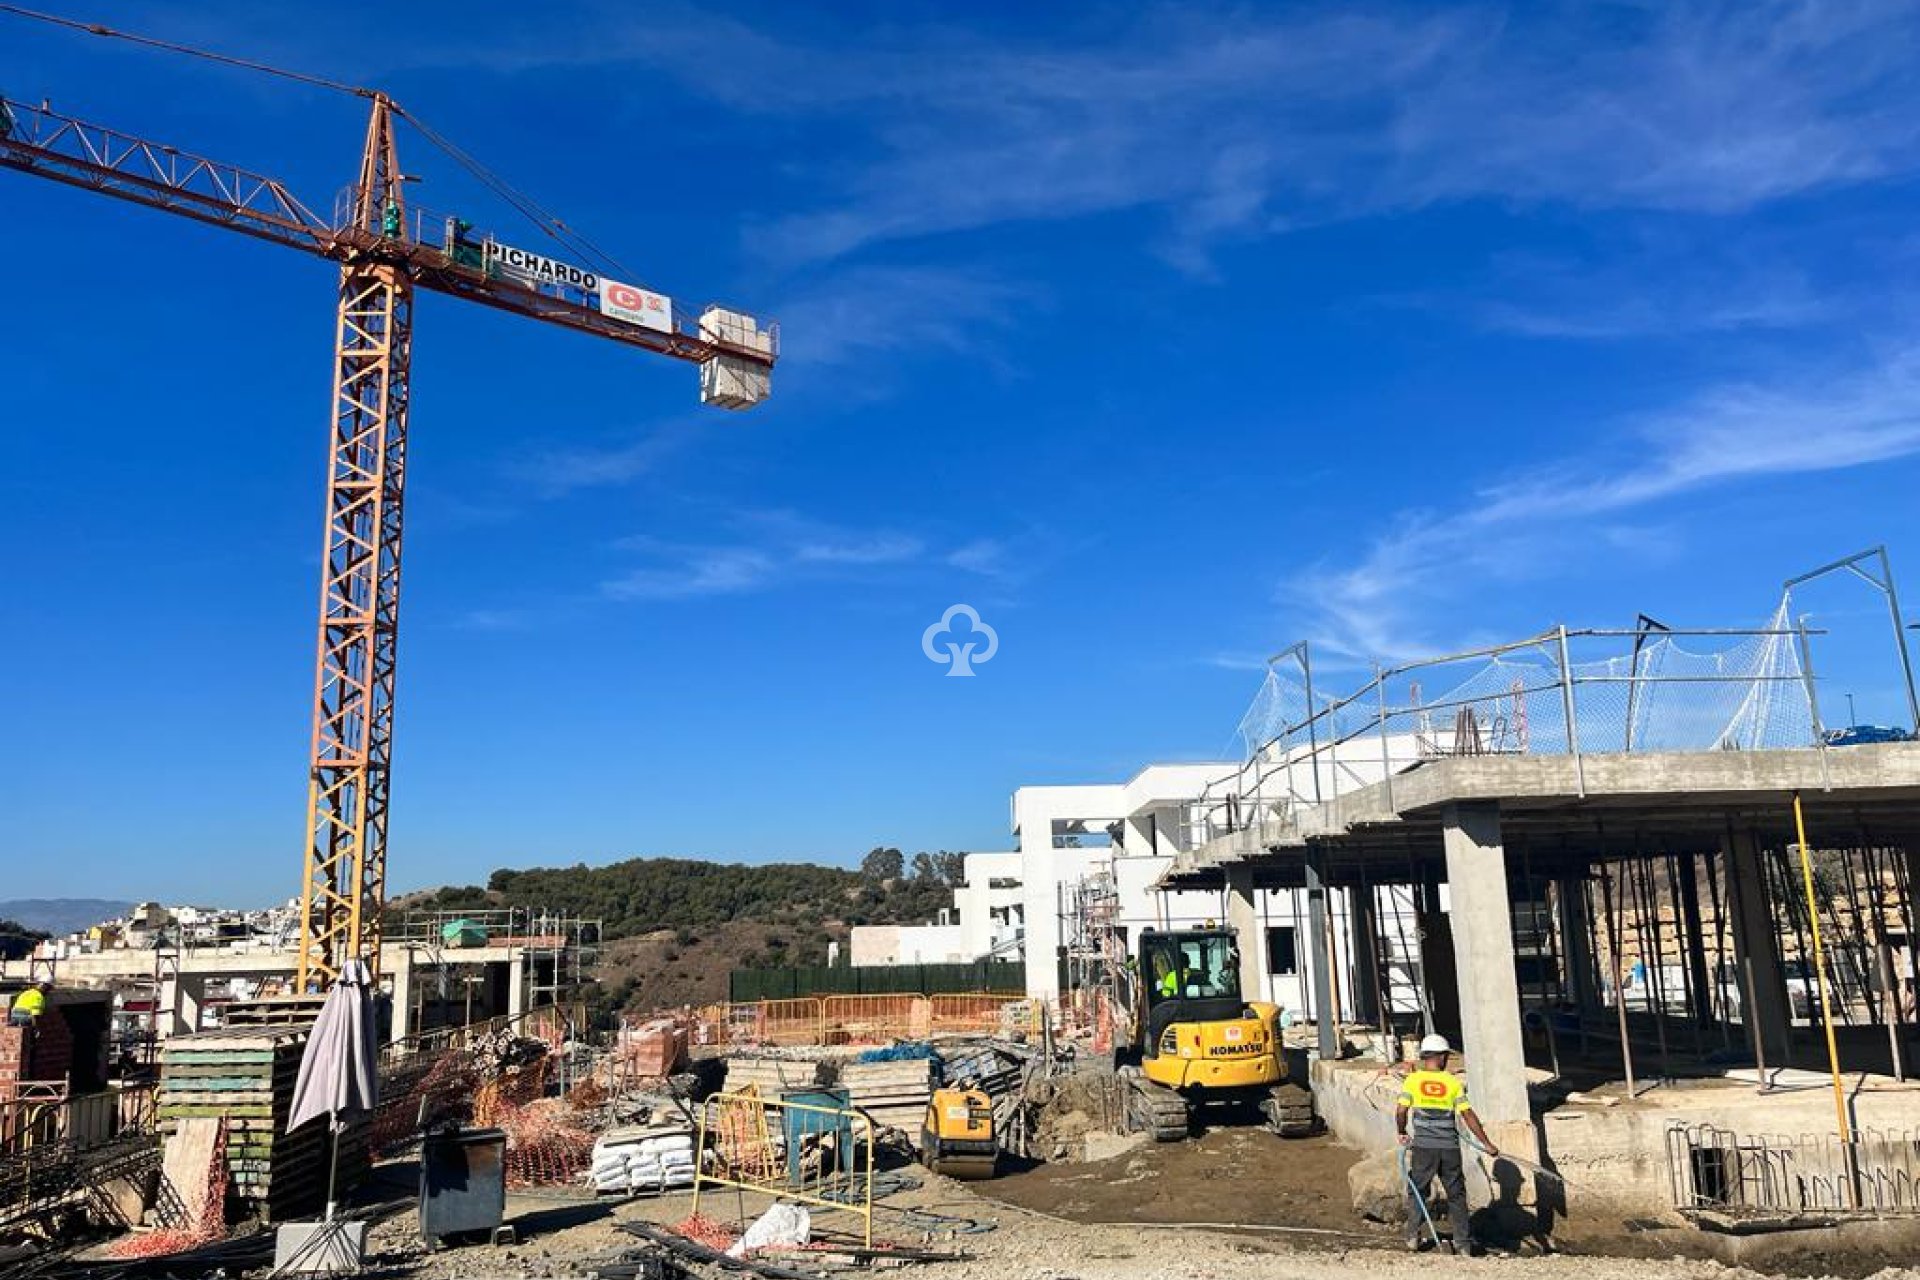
column 554, row 470
column 1240, row 122
column 984, row 556
column 1381, row 605
column 777, row 548
column 700, row 571
column 1654, row 283
column 856, row 314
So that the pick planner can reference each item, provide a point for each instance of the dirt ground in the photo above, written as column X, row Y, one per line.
column 1231, row 1176
column 1240, row 1175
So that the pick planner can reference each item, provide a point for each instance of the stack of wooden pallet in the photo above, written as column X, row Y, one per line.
column 893, row 1093
column 245, row 1075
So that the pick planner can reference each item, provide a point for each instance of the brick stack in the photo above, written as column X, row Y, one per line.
column 246, row 1075
column 655, row 1049
column 42, row 1053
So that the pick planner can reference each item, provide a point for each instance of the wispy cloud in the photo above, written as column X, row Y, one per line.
column 551, row 470
column 1655, row 286
column 1381, row 605
column 774, row 549
column 986, row 556
column 691, row 572
column 854, row 314
column 1242, row 122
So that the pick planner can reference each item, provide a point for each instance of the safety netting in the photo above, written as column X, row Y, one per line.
column 1640, row 691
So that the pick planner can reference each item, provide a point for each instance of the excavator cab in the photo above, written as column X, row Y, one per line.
column 1201, row 1042
column 1192, row 975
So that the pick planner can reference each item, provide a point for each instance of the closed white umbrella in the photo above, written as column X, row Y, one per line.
column 339, row 1072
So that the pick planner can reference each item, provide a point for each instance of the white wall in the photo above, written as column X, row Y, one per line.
column 877, row 944
column 1044, row 868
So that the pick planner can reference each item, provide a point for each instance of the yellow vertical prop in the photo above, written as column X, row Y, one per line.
column 1820, row 973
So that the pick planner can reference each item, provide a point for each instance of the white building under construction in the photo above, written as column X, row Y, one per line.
column 1079, row 888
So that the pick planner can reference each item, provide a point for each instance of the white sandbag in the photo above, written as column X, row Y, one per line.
column 783, row 1224
column 678, row 1142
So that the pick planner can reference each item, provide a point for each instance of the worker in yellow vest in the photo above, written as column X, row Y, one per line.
column 29, row 1005
column 1433, row 1104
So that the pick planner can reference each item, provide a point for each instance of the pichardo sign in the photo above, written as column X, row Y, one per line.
column 534, row 268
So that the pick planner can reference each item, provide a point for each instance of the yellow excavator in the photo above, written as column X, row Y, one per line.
column 1199, row 1043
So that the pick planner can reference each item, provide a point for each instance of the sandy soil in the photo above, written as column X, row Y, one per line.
column 1229, row 1176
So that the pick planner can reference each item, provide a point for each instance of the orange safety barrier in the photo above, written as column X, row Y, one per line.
column 787, row 1022
column 865, row 1019
column 978, row 1013
column 875, row 1019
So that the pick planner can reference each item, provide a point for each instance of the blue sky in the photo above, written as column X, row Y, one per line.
column 1162, row 335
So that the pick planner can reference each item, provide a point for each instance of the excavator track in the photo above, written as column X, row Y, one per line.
column 1157, row 1110
column 1290, row 1113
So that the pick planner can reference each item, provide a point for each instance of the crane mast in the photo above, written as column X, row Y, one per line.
column 349, row 782
column 382, row 262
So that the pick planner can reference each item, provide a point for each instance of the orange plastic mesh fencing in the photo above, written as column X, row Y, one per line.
column 495, row 1098
column 1102, row 1024
column 547, row 1144
column 707, row 1231
column 875, row 1019
column 743, row 1143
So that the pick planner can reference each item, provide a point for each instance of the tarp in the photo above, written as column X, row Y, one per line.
column 339, row 1072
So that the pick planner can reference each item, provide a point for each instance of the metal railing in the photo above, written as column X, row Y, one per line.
column 1559, row 693
column 1710, row 1169
column 45, row 1114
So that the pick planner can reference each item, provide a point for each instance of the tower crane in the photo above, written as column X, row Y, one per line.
column 386, row 251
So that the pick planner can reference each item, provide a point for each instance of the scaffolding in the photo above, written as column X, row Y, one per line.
column 1096, row 985
column 557, row 949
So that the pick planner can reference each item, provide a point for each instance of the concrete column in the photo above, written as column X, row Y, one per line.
column 1756, row 950
column 1243, row 917
column 517, row 983
column 1576, row 948
column 1483, row 954
column 1312, row 950
column 182, row 997
column 1363, row 941
column 400, row 962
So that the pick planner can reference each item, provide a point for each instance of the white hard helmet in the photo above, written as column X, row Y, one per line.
column 1434, row 1044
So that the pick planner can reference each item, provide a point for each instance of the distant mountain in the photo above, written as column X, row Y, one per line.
column 59, row 916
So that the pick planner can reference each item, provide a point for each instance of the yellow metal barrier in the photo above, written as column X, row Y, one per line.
column 875, row 1019
column 818, row 1155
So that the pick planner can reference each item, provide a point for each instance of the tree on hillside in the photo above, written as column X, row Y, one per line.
column 883, row 864
column 951, row 867
column 16, row 940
